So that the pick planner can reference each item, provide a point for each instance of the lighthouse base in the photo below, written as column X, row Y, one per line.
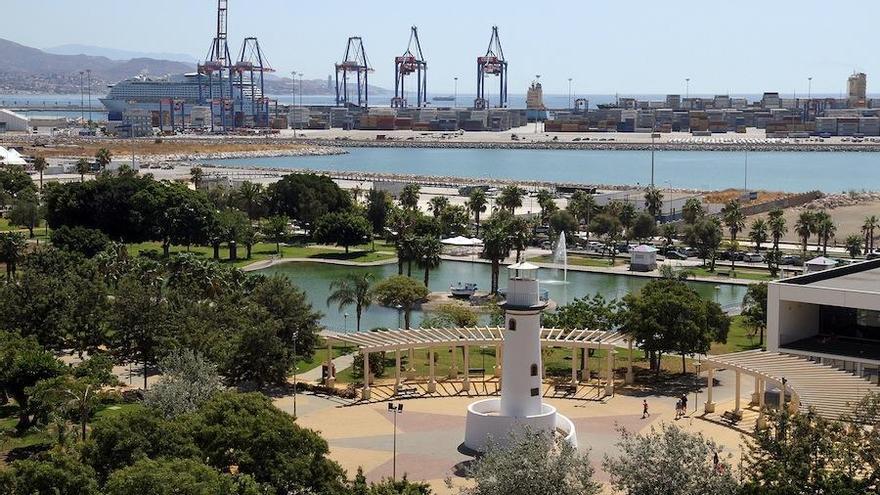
column 485, row 423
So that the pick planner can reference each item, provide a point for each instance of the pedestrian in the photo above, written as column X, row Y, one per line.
column 645, row 412
column 684, row 404
column 677, row 409
column 715, row 460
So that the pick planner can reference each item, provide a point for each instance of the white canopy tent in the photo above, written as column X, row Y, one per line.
column 462, row 246
column 11, row 157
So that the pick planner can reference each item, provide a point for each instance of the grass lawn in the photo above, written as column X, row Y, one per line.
column 580, row 260
column 740, row 273
column 320, row 358
column 737, row 338
column 264, row 250
column 111, row 410
column 9, row 440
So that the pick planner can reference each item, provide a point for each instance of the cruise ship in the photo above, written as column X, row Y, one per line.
column 147, row 93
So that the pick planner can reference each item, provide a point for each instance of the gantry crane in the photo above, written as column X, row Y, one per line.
column 252, row 61
column 218, row 64
column 492, row 63
column 406, row 64
column 355, row 60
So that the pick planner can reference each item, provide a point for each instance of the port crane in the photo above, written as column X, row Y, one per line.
column 252, row 61
column 412, row 61
column 492, row 63
column 355, row 60
column 218, row 63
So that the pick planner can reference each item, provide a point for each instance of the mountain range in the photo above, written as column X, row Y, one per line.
column 117, row 54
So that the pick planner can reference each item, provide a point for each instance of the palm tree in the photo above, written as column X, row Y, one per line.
column 438, row 204
column 428, row 250
column 510, row 198
column 758, row 233
column 804, row 227
column 776, row 223
column 654, row 202
column 40, row 165
column 854, row 245
column 583, row 206
column 12, row 246
column 196, row 175
column 734, row 220
column 692, row 210
column 496, row 245
column 871, row 223
column 250, row 195
column 82, row 168
column 477, row 204
column 825, row 230
column 103, row 157
column 547, row 204
column 409, row 197
column 352, row 290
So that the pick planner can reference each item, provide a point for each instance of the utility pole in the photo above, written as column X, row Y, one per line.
column 809, row 96
column 569, row 93
column 82, row 103
column 300, row 98
column 455, row 92
column 394, row 409
column 89, row 73
column 293, row 98
column 687, row 88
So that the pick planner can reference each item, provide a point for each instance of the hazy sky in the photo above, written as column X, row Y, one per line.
column 744, row 46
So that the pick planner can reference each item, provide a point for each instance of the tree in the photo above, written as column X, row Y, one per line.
column 288, row 306
column 705, row 236
column 276, row 230
column 583, row 206
column 477, row 204
column 409, row 197
column 644, row 227
column 692, row 210
column 804, row 227
column 26, row 212
column 653, row 202
column 344, row 229
column 587, row 313
column 776, row 224
column 428, row 251
column 532, row 463
column 608, row 226
column 68, row 397
column 40, row 165
column 451, row 315
column 510, row 198
column 188, row 381
column 669, row 232
column 164, row 476
column 23, row 363
column 235, row 226
column 400, row 291
column 496, row 244
column 82, row 168
column 754, row 309
column 437, row 205
column 758, row 233
column 825, row 229
column 103, row 157
column 547, row 203
column 306, row 197
column 250, row 197
column 354, row 289
column 668, row 316
column 733, row 218
column 388, row 486
column 669, row 461
column 258, row 355
column 853, row 245
column 82, row 240
column 54, row 472
column 562, row 221
column 378, row 208
column 196, row 176
column 868, row 227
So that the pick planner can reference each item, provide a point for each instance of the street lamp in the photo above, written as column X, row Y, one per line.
column 809, row 96
column 569, row 93
column 455, row 92
column 399, row 315
column 687, row 88
column 293, row 98
column 82, row 103
column 394, row 409
column 89, row 88
column 345, row 325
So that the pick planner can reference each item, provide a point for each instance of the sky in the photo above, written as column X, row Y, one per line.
column 605, row 47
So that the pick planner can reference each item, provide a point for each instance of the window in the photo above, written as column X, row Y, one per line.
column 534, row 370
column 511, row 324
column 534, row 392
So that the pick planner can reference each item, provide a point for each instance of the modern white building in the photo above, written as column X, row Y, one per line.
column 520, row 405
column 11, row 121
column 830, row 316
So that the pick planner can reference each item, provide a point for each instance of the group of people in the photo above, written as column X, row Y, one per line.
column 681, row 406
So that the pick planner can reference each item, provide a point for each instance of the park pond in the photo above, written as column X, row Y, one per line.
column 315, row 279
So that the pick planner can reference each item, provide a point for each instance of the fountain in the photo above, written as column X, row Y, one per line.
column 560, row 256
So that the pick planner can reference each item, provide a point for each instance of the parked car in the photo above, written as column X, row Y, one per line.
column 791, row 259
column 675, row 255
column 622, row 248
column 873, row 255
column 691, row 252
column 753, row 257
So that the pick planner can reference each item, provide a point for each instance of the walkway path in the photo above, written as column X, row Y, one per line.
column 260, row 265
column 314, row 374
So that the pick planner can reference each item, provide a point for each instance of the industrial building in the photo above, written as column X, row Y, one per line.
column 11, row 121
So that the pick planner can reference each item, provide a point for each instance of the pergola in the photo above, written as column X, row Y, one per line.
column 430, row 338
column 831, row 392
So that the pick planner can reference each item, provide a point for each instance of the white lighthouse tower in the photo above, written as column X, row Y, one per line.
column 520, row 405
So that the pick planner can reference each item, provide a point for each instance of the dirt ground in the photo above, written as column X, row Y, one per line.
column 849, row 220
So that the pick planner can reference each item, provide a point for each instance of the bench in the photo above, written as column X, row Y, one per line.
column 407, row 391
column 730, row 417
column 568, row 388
column 477, row 372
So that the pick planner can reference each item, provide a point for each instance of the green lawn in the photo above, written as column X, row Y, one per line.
column 737, row 339
column 264, row 250
column 580, row 261
column 320, row 358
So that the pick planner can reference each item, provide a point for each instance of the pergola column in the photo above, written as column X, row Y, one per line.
column 609, row 373
column 396, row 371
column 366, row 391
column 710, row 406
column 737, row 411
column 466, row 385
column 453, row 368
column 330, row 379
column 574, row 370
column 756, row 393
column 781, row 397
column 585, row 370
column 432, row 381
column 411, row 365
column 629, row 379
column 762, row 423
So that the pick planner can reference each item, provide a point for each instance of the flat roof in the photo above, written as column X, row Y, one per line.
column 863, row 277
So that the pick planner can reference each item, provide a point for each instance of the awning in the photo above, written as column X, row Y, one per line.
column 462, row 241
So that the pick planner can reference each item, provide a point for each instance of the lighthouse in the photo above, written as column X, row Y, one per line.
column 520, row 405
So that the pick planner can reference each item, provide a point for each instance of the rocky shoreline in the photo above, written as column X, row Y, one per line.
column 226, row 155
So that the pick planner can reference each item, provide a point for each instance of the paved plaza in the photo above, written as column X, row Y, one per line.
column 431, row 429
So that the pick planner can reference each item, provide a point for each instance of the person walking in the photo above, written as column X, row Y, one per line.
column 684, row 404
column 645, row 412
column 677, row 409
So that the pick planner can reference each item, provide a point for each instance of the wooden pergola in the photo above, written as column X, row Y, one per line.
column 831, row 392
column 409, row 340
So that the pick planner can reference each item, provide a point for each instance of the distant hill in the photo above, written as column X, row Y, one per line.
column 116, row 54
column 28, row 69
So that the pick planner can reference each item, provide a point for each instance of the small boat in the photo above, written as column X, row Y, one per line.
column 465, row 290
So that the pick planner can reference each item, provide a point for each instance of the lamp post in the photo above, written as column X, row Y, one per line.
column 455, row 92
column 82, row 103
column 89, row 89
column 293, row 98
column 345, row 325
column 569, row 93
column 394, row 409
column 809, row 96
column 300, row 97
column 687, row 88
column 399, row 315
